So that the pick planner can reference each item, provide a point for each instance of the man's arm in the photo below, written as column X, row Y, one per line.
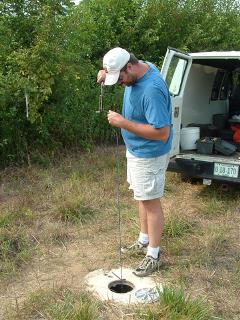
column 143, row 130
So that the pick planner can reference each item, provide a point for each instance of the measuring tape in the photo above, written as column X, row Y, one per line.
column 100, row 110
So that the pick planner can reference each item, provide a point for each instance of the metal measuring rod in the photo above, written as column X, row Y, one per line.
column 100, row 102
column 100, row 110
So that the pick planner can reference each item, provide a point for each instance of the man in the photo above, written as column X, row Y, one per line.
column 146, row 129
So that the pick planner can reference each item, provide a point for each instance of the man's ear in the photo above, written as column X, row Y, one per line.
column 129, row 66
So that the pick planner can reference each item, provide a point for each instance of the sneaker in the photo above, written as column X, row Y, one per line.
column 137, row 248
column 147, row 266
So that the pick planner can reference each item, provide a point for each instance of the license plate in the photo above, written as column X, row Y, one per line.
column 226, row 170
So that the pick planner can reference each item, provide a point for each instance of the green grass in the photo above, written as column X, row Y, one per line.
column 218, row 242
column 73, row 202
column 15, row 243
column 236, row 273
column 15, row 250
column 175, row 231
column 174, row 304
column 57, row 304
column 176, row 246
column 65, row 304
column 56, row 233
column 76, row 212
column 217, row 202
column 20, row 216
column 214, row 248
column 176, row 227
column 214, row 208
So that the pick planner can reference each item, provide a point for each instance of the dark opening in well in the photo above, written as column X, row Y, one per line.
column 121, row 286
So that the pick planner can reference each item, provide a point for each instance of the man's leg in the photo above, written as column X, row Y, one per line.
column 155, row 220
column 142, row 217
column 141, row 244
column 155, row 223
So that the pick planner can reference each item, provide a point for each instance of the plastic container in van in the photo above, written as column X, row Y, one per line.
column 225, row 147
column 205, row 145
column 189, row 137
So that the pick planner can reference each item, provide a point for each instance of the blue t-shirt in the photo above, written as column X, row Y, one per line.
column 148, row 102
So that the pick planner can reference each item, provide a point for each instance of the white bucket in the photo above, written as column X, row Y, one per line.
column 188, row 138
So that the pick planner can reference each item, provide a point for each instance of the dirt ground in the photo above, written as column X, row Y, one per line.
column 203, row 259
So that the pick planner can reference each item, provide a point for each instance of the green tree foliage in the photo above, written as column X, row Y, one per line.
column 50, row 51
column 30, row 54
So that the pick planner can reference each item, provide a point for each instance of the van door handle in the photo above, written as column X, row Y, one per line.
column 176, row 112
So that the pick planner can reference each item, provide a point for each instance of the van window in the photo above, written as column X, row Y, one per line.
column 175, row 75
column 234, row 99
column 221, row 85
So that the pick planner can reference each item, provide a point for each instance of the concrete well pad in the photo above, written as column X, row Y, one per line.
column 145, row 290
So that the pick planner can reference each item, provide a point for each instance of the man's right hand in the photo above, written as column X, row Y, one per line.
column 101, row 76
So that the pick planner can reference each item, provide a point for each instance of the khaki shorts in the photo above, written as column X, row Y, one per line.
column 146, row 176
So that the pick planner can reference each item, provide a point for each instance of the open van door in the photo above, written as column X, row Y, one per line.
column 175, row 69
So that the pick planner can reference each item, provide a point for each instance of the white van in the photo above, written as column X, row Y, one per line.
column 205, row 91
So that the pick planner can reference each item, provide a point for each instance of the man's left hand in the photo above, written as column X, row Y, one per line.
column 115, row 119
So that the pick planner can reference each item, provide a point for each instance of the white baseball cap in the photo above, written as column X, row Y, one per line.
column 113, row 61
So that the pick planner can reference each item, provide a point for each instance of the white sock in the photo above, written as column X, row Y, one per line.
column 143, row 238
column 153, row 252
